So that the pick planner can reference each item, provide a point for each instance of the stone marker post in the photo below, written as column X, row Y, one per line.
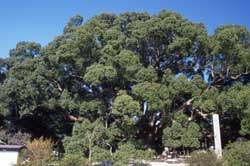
column 217, row 137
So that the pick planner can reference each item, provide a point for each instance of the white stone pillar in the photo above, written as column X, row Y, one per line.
column 217, row 137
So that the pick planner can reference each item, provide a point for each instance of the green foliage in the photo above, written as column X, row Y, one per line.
column 156, row 95
column 146, row 75
column 178, row 135
column 73, row 160
column 124, row 105
column 25, row 50
column 92, row 109
column 127, row 152
column 200, row 158
column 100, row 154
column 182, row 86
column 181, row 118
column 85, row 136
column 127, row 111
column 135, row 78
column 245, row 125
column 237, row 154
column 73, row 22
column 192, row 135
column 67, row 102
column 172, row 136
column 127, row 64
column 230, row 42
column 97, row 74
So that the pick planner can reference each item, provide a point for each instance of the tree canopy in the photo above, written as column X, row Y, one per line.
column 133, row 80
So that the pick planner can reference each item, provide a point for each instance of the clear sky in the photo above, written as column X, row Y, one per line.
column 42, row 20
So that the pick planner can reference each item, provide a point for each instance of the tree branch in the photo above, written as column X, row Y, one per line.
column 73, row 118
column 59, row 87
column 236, row 77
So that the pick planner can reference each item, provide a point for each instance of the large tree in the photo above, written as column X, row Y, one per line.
column 138, row 76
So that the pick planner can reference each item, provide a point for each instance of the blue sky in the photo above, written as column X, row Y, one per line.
column 42, row 20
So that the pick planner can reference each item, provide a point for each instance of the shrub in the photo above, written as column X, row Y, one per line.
column 201, row 158
column 38, row 152
column 40, row 149
column 127, row 153
column 100, row 154
column 146, row 155
column 237, row 154
column 73, row 160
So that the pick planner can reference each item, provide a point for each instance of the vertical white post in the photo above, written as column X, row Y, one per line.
column 217, row 137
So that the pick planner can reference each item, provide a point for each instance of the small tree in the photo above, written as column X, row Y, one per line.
column 85, row 137
column 172, row 136
column 191, row 136
column 39, row 151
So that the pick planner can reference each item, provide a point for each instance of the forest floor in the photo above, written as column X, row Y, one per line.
column 166, row 162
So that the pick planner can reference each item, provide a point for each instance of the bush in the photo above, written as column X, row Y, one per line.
column 38, row 152
column 22, row 156
column 127, row 153
column 237, row 154
column 73, row 160
column 201, row 158
column 100, row 154
column 146, row 155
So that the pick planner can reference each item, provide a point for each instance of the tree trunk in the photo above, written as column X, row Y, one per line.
column 90, row 156
column 149, row 140
column 90, row 150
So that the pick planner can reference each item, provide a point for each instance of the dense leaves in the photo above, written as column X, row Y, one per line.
column 131, row 81
column 201, row 158
column 237, row 154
